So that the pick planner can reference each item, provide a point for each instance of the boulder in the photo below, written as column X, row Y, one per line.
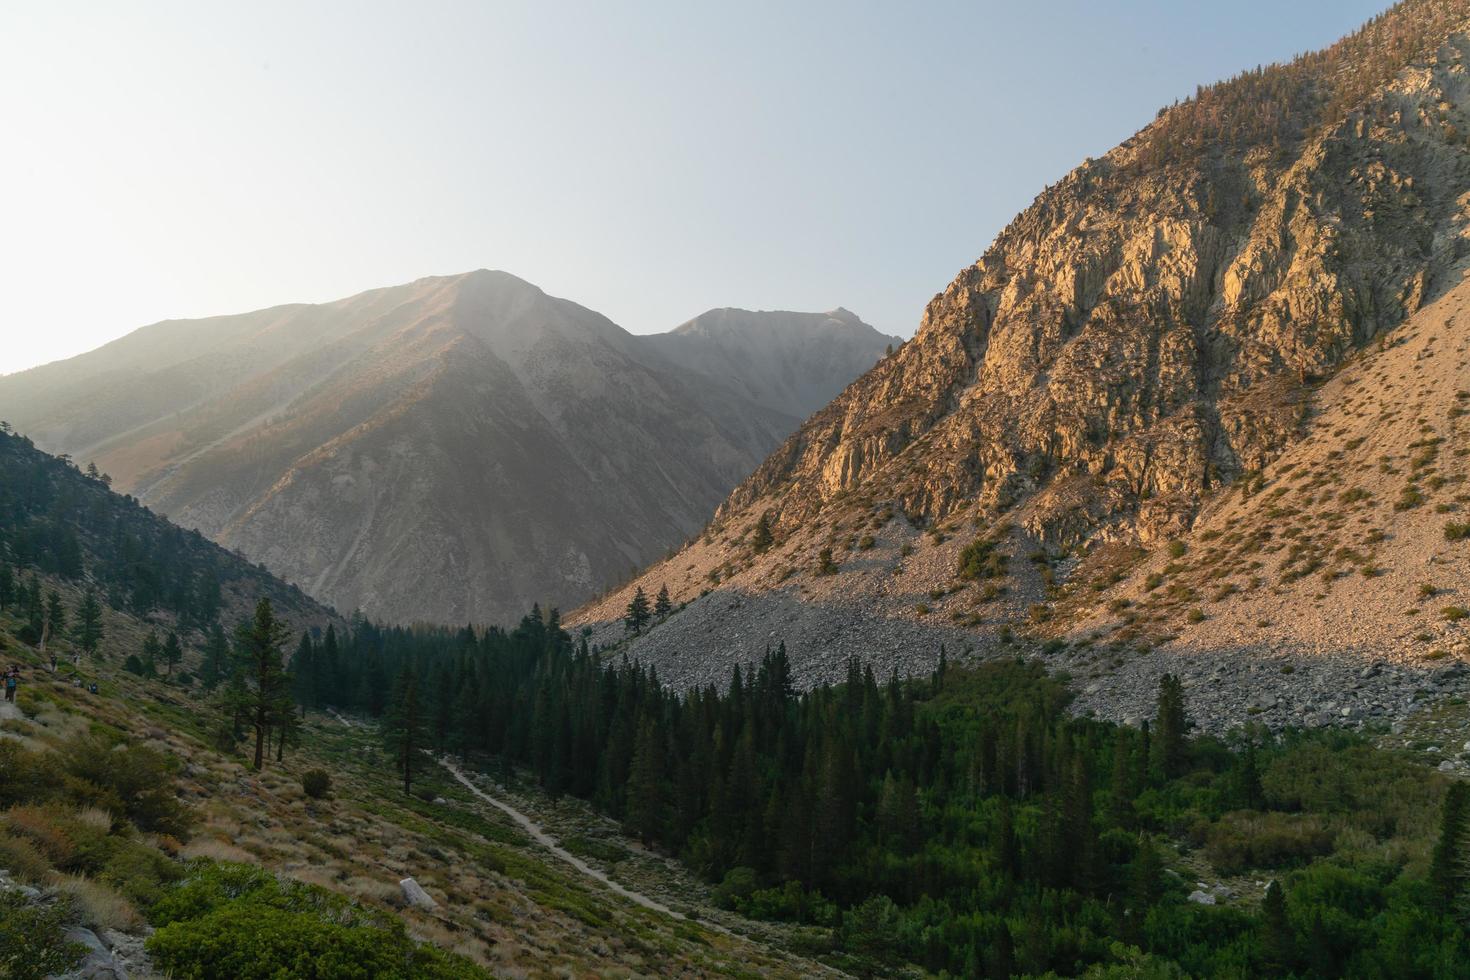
column 98, row 963
column 414, row 895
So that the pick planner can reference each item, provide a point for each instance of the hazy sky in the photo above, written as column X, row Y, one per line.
column 648, row 160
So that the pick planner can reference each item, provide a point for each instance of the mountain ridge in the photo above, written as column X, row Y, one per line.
column 1148, row 333
column 497, row 445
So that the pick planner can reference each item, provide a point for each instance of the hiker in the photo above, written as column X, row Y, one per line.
column 12, row 680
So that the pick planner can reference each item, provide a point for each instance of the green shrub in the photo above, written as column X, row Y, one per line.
column 981, row 559
column 32, row 941
column 1241, row 842
column 129, row 780
column 1454, row 614
column 1176, row 548
column 737, row 886
column 249, row 941
column 316, row 783
column 1457, row 530
column 230, row 920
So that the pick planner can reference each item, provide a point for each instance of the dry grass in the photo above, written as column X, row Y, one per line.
column 101, row 906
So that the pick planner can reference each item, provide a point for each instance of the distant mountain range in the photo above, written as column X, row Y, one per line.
column 453, row 449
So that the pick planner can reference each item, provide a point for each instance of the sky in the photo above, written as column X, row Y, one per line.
column 649, row 160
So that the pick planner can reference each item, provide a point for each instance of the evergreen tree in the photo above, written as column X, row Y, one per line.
column 152, row 654
column 173, row 652
column 644, row 814
column 266, row 683
column 7, row 586
column 216, row 657
column 55, row 618
column 1447, row 868
column 88, row 630
column 304, row 671
column 636, row 616
column 1170, row 747
column 1278, row 941
column 761, row 538
column 403, row 726
column 662, row 605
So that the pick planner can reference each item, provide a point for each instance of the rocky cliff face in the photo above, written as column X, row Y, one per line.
column 453, row 450
column 1138, row 336
column 1147, row 334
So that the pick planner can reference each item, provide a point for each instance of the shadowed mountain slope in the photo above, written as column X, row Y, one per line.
column 453, row 449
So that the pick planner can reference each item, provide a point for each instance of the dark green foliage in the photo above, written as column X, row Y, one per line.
column 1451, row 861
column 172, row 653
column 316, row 783
column 403, row 728
column 132, row 781
column 260, row 693
column 662, row 605
column 55, row 520
column 1169, row 746
column 825, row 564
column 761, row 538
column 32, row 944
column 152, row 654
column 636, row 616
column 1278, row 941
column 88, row 630
column 1006, row 835
column 216, row 657
column 241, row 922
column 981, row 559
column 55, row 614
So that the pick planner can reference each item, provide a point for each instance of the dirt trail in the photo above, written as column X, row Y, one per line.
column 537, row 833
column 540, row 836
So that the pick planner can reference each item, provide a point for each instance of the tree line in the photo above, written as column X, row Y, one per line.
column 964, row 821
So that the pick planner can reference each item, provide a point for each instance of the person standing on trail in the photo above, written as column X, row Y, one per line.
column 12, row 681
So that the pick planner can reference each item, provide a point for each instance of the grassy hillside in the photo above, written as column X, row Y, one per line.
column 123, row 810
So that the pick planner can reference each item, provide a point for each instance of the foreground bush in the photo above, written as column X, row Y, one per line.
column 228, row 920
column 31, row 941
column 316, row 783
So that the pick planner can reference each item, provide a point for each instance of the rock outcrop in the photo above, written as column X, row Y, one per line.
column 1149, row 334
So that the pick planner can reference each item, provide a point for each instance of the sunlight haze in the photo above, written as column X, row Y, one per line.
column 649, row 161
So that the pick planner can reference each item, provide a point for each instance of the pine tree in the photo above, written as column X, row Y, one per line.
column 662, row 605
column 216, row 657
column 54, row 621
column 403, row 726
column 1447, row 866
column 262, row 670
column 761, row 538
column 636, row 616
column 1170, row 748
column 7, row 586
column 88, row 630
column 644, row 812
column 152, row 654
column 1278, row 941
column 1122, row 791
column 305, row 671
column 173, row 652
